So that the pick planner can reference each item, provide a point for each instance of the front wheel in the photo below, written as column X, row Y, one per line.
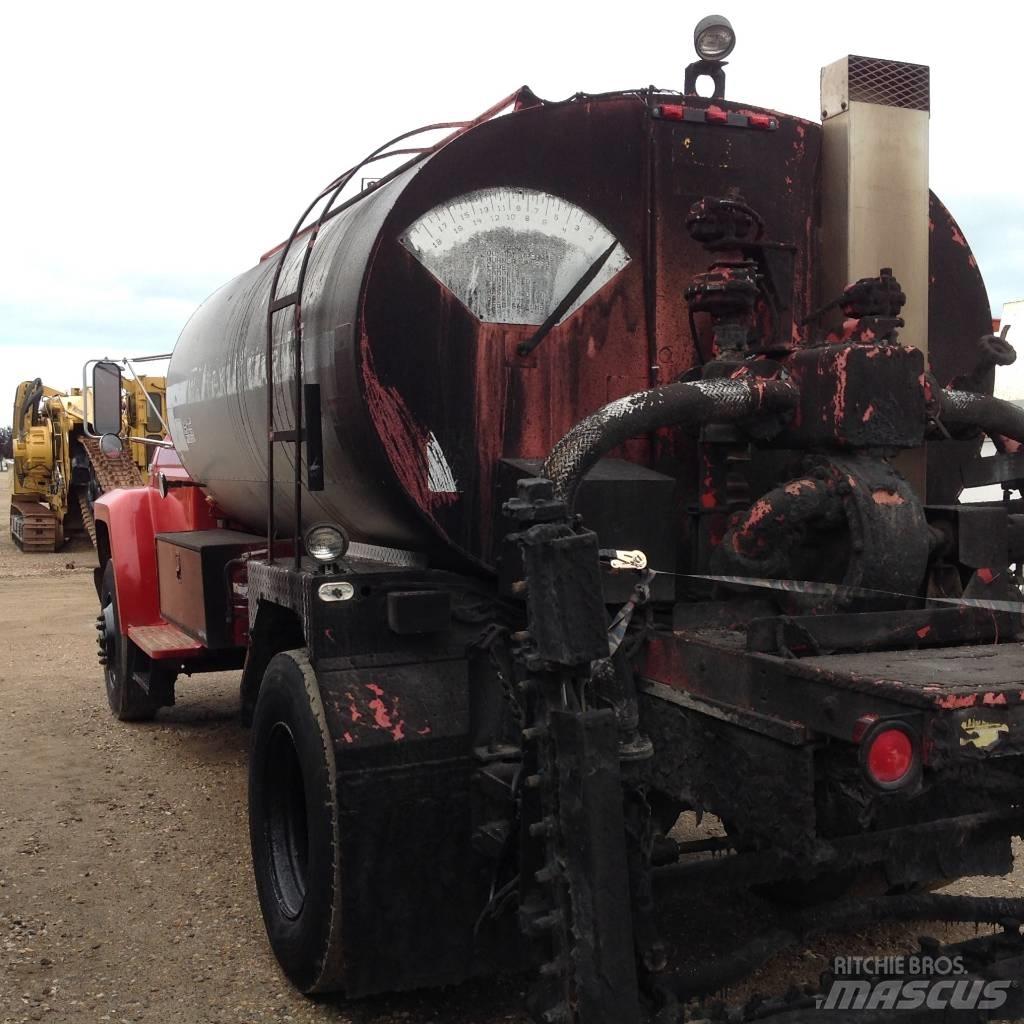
column 127, row 699
column 293, row 825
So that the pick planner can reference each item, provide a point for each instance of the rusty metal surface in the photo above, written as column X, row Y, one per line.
column 412, row 384
column 397, row 374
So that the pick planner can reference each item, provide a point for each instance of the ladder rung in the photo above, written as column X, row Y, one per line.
column 286, row 435
column 284, row 301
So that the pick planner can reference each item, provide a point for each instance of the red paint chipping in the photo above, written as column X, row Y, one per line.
column 986, row 575
column 868, row 413
column 953, row 701
column 797, row 487
column 991, row 699
column 354, row 713
column 924, row 631
column 839, row 401
column 383, row 718
column 884, row 497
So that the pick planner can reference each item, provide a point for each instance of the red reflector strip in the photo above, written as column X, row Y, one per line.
column 714, row 115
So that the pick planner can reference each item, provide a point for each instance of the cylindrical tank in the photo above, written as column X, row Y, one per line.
column 418, row 296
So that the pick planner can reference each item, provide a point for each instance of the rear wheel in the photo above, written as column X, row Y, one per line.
column 293, row 825
column 127, row 699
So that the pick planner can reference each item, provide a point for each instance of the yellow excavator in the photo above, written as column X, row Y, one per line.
column 58, row 469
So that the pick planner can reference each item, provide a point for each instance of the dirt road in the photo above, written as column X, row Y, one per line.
column 125, row 884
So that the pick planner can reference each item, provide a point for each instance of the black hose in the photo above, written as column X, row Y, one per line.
column 684, row 404
column 31, row 401
column 991, row 415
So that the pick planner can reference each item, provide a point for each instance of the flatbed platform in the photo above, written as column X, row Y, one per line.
column 949, row 677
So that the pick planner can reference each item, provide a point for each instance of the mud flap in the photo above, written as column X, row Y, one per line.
column 592, row 831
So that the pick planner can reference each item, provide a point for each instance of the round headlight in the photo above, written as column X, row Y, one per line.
column 325, row 542
column 713, row 38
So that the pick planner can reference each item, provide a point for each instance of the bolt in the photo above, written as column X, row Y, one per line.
column 556, row 1015
column 553, row 968
column 532, row 781
column 544, row 827
column 548, row 921
column 656, row 958
column 548, row 873
column 520, row 587
column 521, row 636
column 535, row 732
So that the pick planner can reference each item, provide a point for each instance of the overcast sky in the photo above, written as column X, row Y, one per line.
column 152, row 151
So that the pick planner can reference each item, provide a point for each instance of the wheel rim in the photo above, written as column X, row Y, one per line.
column 287, row 827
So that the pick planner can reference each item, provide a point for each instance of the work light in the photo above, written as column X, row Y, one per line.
column 714, row 38
column 325, row 542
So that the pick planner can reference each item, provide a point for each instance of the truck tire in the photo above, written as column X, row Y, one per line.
column 127, row 699
column 293, row 825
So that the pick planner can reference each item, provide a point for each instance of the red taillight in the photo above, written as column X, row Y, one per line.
column 890, row 757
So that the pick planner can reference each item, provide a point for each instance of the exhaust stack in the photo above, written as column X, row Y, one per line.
column 875, row 186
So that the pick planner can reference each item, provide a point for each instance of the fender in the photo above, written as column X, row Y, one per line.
column 132, row 518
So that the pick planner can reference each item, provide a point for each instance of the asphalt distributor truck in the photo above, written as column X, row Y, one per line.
column 601, row 463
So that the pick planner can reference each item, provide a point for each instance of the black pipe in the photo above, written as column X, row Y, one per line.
column 759, row 543
column 686, row 404
column 992, row 415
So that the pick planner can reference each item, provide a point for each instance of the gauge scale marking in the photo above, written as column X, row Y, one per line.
column 510, row 255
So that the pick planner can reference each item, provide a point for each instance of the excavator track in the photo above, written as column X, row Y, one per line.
column 33, row 526
column 88, row 519
column 112, row 472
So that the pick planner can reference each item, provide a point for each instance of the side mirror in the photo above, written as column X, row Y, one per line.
column 111, row 445
column 106, row 398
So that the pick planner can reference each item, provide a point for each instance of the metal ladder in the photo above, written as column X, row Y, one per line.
column 306, row 397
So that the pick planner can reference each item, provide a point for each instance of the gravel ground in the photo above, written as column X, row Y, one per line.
column 125, row 884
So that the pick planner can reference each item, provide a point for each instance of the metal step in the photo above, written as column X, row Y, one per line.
column 163, row 641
